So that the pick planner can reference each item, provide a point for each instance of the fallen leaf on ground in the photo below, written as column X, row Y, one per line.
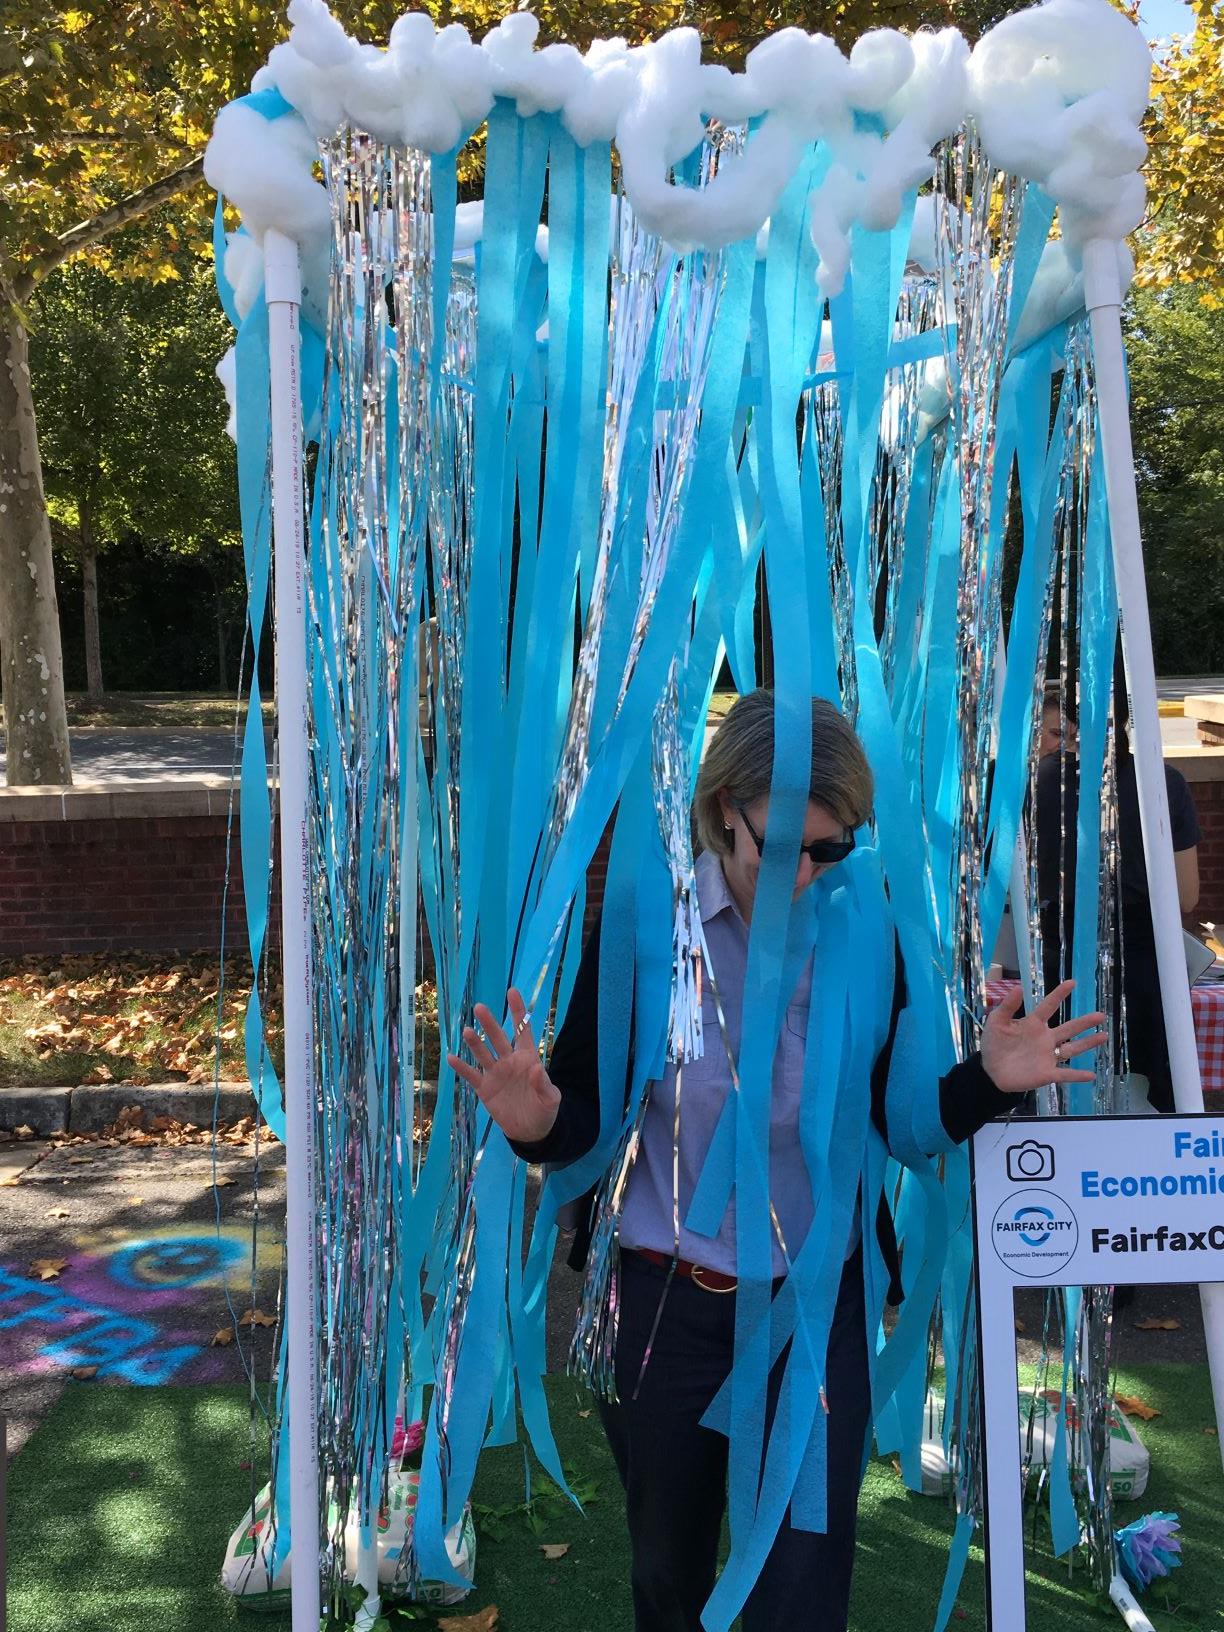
column 13, row 1179
column 256, row 1317
column 47, row 1269
column 78, row 1159
column 83, row 1373
column 584, row 1413
column 1019, row 1325
column 221, row 1338
column 1155, row 1324
column 484, row 1620
column 554, row 1549
column 1135, row 1407
column 222, row 1180
column 24, row 1132
column 135, row 1201
column 58, row 1212
column 895, row 1465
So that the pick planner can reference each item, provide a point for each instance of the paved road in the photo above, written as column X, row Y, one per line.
column 106, row 754
column 146, row 1271
column 149, row 1275
column 102, row 753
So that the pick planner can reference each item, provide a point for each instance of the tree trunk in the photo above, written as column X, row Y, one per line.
column 31, row 665
column 89, row 587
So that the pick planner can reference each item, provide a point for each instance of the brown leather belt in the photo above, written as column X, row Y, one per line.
column 709, row 1280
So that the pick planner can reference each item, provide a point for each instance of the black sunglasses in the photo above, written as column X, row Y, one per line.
column 821, row 852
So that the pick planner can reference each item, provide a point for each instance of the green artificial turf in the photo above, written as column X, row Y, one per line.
column 121, row 1504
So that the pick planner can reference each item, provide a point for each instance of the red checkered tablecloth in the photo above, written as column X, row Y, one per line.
column 1207, row 1003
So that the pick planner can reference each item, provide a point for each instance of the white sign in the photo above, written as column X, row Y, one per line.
column 1076, row 1201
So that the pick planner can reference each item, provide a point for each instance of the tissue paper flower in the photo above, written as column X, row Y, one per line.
column 1149, row 1548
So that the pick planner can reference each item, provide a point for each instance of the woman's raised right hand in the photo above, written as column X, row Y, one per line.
column 507, row 1075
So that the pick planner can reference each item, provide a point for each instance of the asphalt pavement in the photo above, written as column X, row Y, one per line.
column 127, row 1260
column 153, row 754
column 144, row 754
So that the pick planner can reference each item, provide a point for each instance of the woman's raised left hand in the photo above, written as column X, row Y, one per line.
column 1023, row 1052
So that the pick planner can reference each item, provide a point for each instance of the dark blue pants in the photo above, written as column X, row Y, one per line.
column 675, row 1471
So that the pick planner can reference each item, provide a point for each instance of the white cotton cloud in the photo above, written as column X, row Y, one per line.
column 244, row 267
column 264, row 167
column 1057, row 291
column 1057, row 93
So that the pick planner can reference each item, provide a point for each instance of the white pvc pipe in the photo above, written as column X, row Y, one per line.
column 1127, row 1606
column 1103, row 298
column 283, row 292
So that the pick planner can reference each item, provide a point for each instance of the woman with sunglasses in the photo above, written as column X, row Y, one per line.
column 674, row 1352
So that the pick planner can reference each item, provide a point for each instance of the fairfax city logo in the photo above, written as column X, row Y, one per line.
column 1034, row 1233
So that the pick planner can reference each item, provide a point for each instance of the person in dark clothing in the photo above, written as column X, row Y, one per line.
column 674, row 1353
column 1135, row 941
column 1059, row 728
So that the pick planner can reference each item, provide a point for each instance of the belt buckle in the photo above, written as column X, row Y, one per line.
column 698, row 1270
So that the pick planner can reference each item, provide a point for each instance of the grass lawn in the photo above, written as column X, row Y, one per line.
column 122, row 1503
column 121, row 1018
column 159, row 710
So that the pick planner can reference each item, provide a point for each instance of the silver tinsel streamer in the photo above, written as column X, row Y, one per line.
column 683, row 299
column 1080, row 1323
column 450, row 546
column 391, row 571
column 823, row 420
column 918, row 311
column 978, row 218
column 692, row 306
column 638, row 278
column 362, row 603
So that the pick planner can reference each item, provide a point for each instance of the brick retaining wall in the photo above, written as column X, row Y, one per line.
column 143, row 868
column 1209, row 804
column 91, row 870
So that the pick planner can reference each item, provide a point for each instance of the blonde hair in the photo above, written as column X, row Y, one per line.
column 739, row 761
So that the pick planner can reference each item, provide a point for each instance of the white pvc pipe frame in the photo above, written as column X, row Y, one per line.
column 1103, row 299
column 283, row 293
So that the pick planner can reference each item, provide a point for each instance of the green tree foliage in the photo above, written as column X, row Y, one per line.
column 108, row 104
column 132, row 432
column 1176, row 349
column 1183, row 240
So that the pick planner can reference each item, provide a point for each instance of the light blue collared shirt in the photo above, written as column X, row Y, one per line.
column 647, row 1218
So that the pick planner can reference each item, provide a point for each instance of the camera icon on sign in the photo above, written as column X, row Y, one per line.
column 1030, row 1160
